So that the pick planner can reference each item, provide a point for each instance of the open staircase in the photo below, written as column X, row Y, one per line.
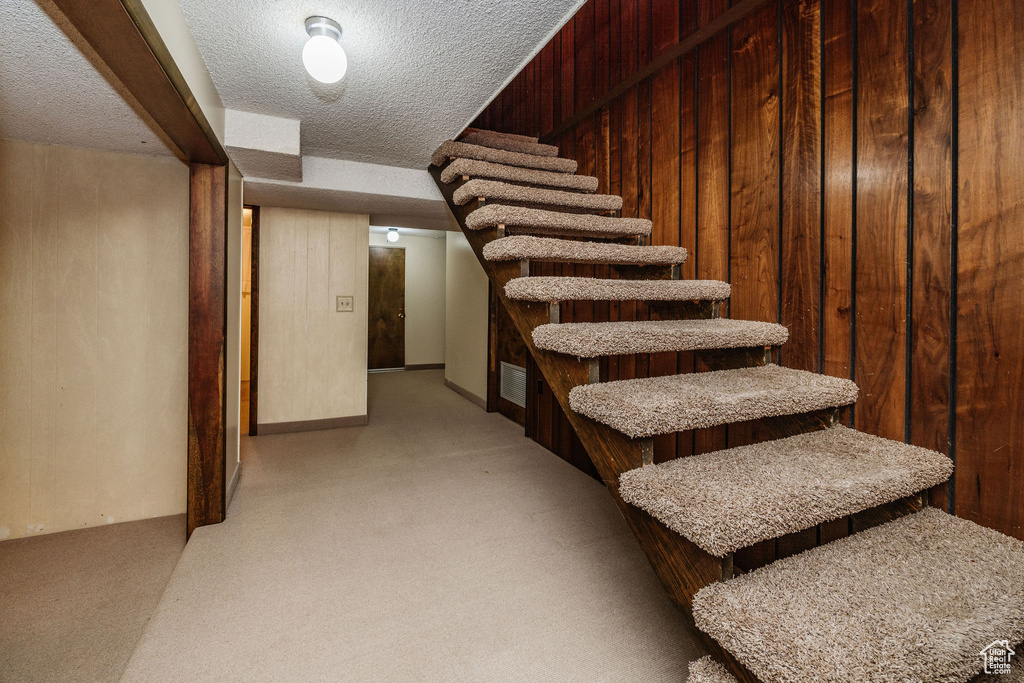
column 914, row 596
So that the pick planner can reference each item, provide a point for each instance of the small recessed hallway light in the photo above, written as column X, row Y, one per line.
column 392, row 234
column 322, row 56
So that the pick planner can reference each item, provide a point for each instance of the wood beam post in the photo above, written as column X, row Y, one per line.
column 207, row 333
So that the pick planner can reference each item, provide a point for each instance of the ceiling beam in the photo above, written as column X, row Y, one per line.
column 122, row 42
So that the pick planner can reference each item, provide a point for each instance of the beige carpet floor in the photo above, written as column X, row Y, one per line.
column 435, row 544
column 73, row 605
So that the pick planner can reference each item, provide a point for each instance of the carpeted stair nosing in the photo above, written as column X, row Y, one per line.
column 677, row 403
column 590, row 340
column 474, row 168
column 495, row 191
column 498, row 156
column 732, row 499
column 555, row 222
column 486, row 138
column 527, row 247
column 553, row 289
column 916, row 599
column 504, row 136
column 707, row 670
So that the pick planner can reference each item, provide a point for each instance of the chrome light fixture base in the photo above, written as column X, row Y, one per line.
column 323, row 26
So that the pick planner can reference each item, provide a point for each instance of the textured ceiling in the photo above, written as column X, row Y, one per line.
column 51, row 94
column 418, row 70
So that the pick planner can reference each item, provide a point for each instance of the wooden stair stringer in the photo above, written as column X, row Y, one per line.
column 681, row 566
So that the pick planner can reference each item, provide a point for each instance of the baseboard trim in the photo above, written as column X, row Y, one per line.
column 425, row 366
column 311, row 425
column 466, row 393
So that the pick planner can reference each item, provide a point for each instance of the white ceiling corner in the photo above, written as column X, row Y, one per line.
column 418, row 73
column 264, row 146
column 50, row 93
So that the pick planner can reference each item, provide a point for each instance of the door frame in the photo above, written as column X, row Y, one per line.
column 254, row 319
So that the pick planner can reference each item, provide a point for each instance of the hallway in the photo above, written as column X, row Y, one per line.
column 436, row 543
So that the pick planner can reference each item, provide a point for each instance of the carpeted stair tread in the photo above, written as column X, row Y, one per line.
column 552, row 289
column 474, row 168
column 677, row 403
column 499, row 134
column 499, row 156
column 555, row 222
column 520, row 247
column 495, row 191
column 509, row 143
column 707, row 670
column 590, row 340
column 732, row 499
column 916, row 599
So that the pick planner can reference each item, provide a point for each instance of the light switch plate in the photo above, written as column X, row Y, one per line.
column 345, row 304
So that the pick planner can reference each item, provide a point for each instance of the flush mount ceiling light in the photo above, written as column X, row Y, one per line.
column 392, row 234
column 322, row 56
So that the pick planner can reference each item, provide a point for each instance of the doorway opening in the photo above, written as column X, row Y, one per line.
column 250, row 320
column 386, row 309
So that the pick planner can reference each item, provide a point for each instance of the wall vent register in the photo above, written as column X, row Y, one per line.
column 513, row 384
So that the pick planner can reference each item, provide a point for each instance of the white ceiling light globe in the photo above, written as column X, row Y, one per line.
column 322, row 55
column 392, row 234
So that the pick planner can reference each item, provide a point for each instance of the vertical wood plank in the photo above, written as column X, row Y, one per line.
column 933, row 228
column 800, row 185
column 687, row 182
column 754, row 187
column 643, row 143
column 837, row 186
column 688, row 146
column 602, row 47
column 546, row 91
column 800, row 227
column 754, row 212
column 990, row 319
column 628, row 147
column 881, row 267
column 711, row 260
column 207, row 331
column 665, row 169
column 584, row 140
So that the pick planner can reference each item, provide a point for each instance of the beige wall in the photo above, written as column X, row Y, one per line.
column 312, row 359
column 93, row 337
column 424, row 295
column 466, row 313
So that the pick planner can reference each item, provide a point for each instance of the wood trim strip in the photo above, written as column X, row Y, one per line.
column 313, row 425
column 254, row 324
column 722, row 21
column 122, row 36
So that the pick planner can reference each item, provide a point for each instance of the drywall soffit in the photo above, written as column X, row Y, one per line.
column 264, row 146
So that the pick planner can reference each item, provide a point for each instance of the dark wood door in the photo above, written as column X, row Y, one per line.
column 387, row 308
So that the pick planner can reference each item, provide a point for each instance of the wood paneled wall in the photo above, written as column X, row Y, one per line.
column 854, row 168
column 312, row 358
